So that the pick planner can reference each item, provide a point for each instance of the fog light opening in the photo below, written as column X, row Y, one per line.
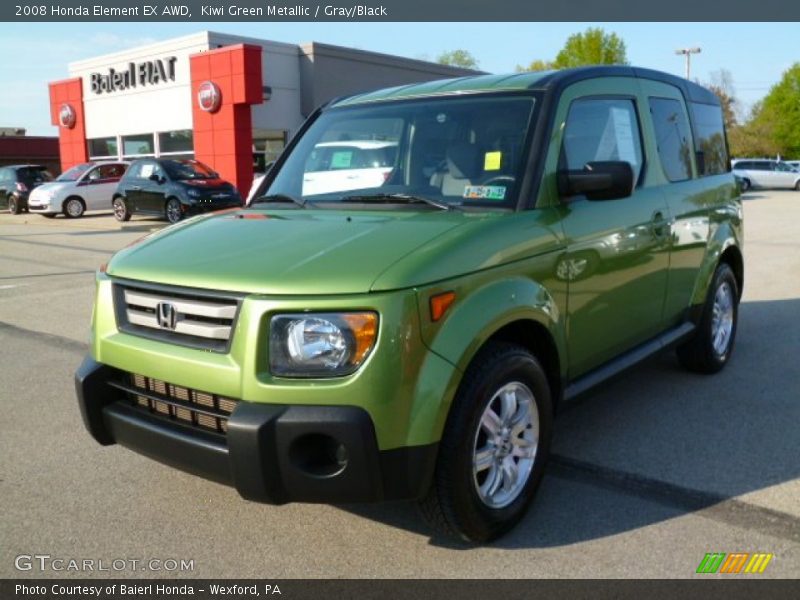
column 318, row 455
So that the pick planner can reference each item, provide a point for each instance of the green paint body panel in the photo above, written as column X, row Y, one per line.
column 504, row 266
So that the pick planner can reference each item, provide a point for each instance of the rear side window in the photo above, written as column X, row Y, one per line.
column 602, row 129
column 672, row 138
column 710, row 144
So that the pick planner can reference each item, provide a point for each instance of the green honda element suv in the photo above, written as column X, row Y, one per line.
column 405, row 327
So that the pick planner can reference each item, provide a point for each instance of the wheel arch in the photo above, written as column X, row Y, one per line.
column 732, row 256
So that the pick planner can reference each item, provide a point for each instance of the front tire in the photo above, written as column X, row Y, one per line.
column 13, row 205
column 746, row 185
column 73, row 208
column 173, row 211
column 494, row 447
column 709, row 350
column 121, row 212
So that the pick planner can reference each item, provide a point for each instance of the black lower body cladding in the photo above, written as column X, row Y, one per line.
column 271, row 453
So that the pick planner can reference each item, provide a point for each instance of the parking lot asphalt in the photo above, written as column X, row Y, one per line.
column 649, row 473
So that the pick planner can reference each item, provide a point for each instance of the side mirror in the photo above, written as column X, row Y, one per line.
column 599, row 180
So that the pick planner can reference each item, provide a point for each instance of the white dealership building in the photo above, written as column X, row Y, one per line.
column 230, row 101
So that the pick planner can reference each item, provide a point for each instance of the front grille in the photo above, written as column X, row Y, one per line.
column 192, row 407
column 181, row 316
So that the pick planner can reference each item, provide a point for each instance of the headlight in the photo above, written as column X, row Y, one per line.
column 320, row 344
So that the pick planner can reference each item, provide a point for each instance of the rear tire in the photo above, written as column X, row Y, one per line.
column 73, row 208
column 494, row 447
column 13, row 205
column 121, row 212
column 709, row 350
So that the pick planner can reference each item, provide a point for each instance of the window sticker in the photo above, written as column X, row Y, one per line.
column 485, row 192
column 492, row 160
column 341, row 160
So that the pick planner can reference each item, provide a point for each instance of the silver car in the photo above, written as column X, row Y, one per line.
column 765, row 173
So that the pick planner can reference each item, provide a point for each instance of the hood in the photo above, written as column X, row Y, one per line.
column 210, row 185
column 54, row 186
column 282, row 251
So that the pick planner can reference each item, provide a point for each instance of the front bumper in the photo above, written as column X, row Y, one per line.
column 204, row 205
column 270, row 453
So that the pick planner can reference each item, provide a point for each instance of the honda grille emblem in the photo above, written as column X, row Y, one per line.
column 167, row 315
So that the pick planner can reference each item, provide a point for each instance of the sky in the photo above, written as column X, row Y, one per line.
column 756, row 54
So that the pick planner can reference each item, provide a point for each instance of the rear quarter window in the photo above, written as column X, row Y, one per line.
column 710, row 142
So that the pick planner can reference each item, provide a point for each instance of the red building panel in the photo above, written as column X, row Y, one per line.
column 224, row 138
column 72, row 137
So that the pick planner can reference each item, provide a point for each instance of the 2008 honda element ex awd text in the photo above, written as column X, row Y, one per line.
column 411, row 336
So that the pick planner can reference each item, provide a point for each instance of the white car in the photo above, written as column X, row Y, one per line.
column 87, row 186
column 765, row 173
column 795, row 164
column 348, row 165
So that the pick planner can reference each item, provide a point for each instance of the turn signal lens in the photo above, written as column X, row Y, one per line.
column 440, row 303
column 364, row 327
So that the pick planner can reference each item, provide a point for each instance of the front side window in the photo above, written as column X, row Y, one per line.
column 459, row 151
column 672, row 138
column 710, row 139
column 602, row 129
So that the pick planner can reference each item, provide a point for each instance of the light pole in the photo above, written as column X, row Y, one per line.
column 688, row 53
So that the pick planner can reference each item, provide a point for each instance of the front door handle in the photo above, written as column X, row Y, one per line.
column 660, row 225
column 135, row 188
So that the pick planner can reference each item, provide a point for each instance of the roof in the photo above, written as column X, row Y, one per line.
column 533, row 80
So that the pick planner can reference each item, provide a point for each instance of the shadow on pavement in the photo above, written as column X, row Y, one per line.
column 677, row 440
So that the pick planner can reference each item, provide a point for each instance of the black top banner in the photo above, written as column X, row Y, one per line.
column 399, row 10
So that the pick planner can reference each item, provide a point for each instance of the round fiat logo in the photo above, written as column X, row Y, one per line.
column 209, row 96
column 66, row 116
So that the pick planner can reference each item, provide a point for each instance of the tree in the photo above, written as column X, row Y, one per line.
column 781, row 111
column 592, row 47
column 458, row 58
column 755, row 138
column 722, row 86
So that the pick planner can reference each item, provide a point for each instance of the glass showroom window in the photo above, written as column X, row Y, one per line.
column 136, row 146
column 177, row 144
column 103, row 148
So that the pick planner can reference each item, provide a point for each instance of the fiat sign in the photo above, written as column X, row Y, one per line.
column 66, row 116
column 209, row 96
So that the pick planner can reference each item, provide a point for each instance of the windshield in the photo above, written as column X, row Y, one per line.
column 456, row 151
column 187, row 169
column 75, row 172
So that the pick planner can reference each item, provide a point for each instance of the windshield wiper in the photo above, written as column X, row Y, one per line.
column 410, row 199
column 286, row 198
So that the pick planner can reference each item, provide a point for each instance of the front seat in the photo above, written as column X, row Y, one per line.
column 462, row 167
